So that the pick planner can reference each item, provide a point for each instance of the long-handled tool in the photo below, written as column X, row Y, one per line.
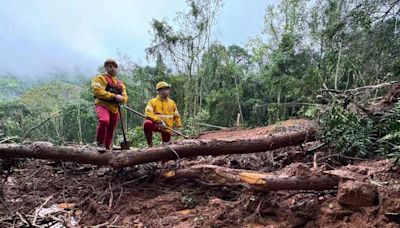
column 124, row 144
column 140, row 114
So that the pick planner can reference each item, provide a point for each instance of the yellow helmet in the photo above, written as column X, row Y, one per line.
column 161, row 85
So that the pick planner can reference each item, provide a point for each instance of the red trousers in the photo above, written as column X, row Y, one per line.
column 149, row 126
column 106, row 126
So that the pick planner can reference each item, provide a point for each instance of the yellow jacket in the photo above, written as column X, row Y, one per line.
column 99, row 84
column 166, row 110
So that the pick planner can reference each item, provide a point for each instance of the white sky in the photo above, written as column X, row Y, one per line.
column 41, row 36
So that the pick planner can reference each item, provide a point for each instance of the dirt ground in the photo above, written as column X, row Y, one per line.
column 289, row 125
column 65, row 194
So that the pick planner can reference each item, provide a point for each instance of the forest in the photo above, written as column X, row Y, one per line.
column 329, row 67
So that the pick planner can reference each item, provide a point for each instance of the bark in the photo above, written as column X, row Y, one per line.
column 185, row 148
column 256, row 181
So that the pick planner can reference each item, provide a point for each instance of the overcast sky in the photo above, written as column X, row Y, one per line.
column 42, row 36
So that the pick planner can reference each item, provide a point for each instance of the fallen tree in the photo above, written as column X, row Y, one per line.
column 256, row 181
column 182, row 149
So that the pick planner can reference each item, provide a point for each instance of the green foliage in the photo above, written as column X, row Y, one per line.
column 66, row 116
column 223, row 106
column 348, row 132
column 13, row 118
column 11, row 87
column 136, row 137
column 77, row 123
column 193, row 122
column 51, row 96
column 310, row 112
column 389, row 133
column 306, row 46
column 358, row 135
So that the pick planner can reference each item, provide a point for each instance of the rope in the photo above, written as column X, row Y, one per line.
column 177, row 162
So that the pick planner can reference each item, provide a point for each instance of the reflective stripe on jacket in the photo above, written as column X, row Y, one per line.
column 99, row 84
column 166, row 110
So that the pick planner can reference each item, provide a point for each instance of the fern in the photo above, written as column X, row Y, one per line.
column 347, row 132
column 357, row 135
column 388, row 141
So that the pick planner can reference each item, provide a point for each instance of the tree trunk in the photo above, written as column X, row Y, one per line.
column 256, row 181
column 185, row 148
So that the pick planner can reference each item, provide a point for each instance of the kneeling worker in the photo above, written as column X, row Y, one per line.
column 161, row 113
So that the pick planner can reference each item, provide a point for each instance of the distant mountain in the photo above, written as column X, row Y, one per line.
column 12, row 87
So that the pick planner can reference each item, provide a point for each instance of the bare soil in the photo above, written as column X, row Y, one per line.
column 368, row 195
column 289, row 125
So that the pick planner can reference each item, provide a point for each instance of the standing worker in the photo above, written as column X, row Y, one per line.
column 161, row 113
column 109, row 92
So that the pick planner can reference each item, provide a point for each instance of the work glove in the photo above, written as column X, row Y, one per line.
column 162, row 125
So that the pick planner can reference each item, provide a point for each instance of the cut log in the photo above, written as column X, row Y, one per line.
column 46, row 150
column 183, row 149
column 256, row 181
